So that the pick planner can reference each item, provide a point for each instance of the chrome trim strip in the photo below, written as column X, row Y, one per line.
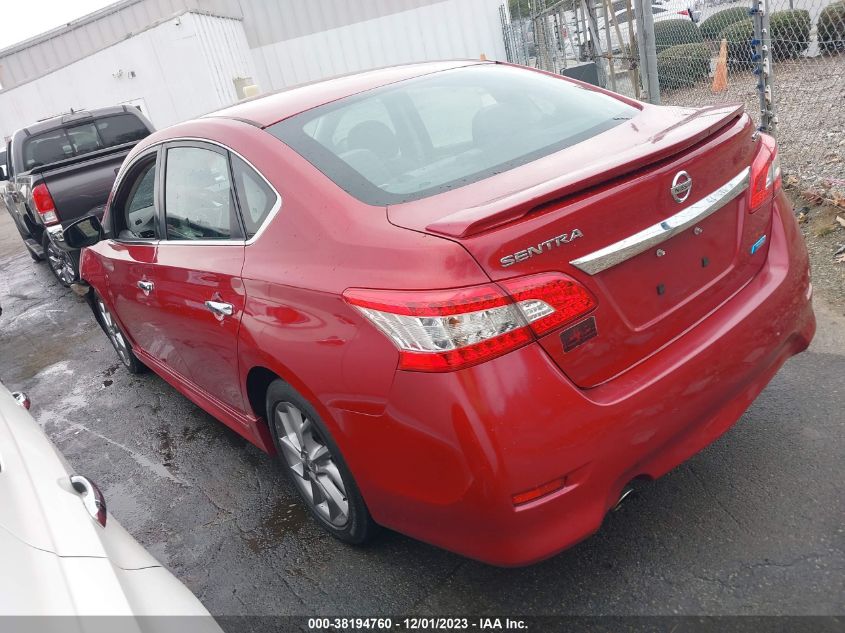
column 637, row 243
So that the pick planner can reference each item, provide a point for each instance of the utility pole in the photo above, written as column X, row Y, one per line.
column 762, row 56
column 648, row 49
column 589, row 11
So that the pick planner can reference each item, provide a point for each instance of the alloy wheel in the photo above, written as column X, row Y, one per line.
column 308, row 456
column 60, row 263
column 113, row 332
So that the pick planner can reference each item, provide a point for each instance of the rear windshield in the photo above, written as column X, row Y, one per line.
column 81, row 138
column 435, row 133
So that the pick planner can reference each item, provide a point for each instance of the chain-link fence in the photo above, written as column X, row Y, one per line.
column 785, row 59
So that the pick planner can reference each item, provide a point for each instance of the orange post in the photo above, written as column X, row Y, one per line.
column 720, row 78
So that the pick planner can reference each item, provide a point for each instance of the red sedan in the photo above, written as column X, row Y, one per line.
column 466, row 301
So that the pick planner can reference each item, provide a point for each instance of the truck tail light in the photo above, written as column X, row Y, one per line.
column 444, row 330
column 44, row 204
column 766, row 177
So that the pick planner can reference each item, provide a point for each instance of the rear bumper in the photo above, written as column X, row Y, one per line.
column 444, row 460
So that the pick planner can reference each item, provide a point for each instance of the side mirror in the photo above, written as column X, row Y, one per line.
column 3, row 174
column 84, row 232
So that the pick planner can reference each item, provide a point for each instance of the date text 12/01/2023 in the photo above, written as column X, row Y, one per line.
column 417, row 624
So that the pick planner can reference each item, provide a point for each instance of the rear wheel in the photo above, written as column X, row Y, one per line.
column 62, row 264
column 316, row 467
column 118, row 340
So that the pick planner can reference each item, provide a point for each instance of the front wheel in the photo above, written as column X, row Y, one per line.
column 118, row 339
column 316, row 467
column 62, row 264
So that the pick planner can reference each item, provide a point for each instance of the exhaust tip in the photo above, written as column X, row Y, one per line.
column 626, row 493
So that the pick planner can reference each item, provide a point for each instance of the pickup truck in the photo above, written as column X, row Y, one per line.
column 61, row 169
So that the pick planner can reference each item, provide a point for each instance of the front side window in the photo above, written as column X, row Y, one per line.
column 434, row 133
column 255, row 196
column 198, row 201
column 135, row 212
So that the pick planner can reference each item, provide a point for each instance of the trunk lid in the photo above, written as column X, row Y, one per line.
column 578, row 211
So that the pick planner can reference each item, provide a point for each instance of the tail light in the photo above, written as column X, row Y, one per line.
column 444, row 330
column 44, row 204
column 766, row 177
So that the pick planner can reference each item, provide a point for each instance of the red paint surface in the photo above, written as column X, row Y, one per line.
column 439, row 456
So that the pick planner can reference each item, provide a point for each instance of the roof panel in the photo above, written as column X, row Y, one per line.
column 269, row 109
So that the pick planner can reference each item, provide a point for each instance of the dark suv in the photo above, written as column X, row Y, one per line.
column 62, row 169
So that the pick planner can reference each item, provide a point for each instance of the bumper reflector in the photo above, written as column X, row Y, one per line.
column 539, row 491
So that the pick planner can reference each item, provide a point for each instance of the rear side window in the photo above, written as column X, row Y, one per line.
column 431, row 134
column 198, row 202
column 255, row 196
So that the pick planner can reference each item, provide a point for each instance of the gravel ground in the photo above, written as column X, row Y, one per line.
column 824, row 238
column 810, row 104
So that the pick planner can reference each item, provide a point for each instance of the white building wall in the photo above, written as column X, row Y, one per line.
column 183, row 67
column 80, row 38
column 442, row 30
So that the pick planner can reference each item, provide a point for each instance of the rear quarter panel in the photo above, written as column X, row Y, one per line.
column 321, row 242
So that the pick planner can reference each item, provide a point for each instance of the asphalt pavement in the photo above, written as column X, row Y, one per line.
column 752, row 525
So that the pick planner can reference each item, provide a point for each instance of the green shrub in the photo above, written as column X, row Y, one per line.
column 683, row 66
column 790, row 32
column 739, row 36
column 716, row 23
column 669, row 33
column 831, row 27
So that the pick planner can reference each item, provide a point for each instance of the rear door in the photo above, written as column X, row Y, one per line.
column 198, row 287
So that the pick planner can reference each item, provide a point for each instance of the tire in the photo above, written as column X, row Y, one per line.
column 324, row 483
column 119, row 342
column 63, row 265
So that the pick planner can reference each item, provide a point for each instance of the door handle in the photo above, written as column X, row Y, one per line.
column 146, row 287
column 220, row 309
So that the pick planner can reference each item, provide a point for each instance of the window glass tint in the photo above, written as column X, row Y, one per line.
column 139, row 216
column 84, row 138
column 46, row 148
column 463, row 102
column 353, row 125
column 120, row 129
column 198, row 196
column 256, row 197
column 434, row 133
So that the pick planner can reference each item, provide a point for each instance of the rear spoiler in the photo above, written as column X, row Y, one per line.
column 520, row 203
